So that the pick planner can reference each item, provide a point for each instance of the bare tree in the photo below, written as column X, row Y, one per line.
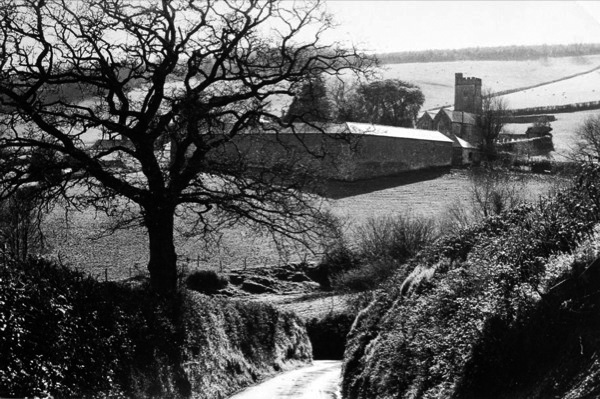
column 493, row 192
column 493, row 118
column 196, row 74
column 587, row 145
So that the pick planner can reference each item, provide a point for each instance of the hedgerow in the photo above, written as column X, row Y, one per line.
column 465, row 293
column 66, row 335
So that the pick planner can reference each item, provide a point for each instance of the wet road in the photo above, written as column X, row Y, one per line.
column 317, row 381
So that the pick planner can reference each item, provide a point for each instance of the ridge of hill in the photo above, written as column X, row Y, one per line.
column 527, row 52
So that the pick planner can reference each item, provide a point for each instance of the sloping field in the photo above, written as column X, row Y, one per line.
column 436, row 79
column 579, row 89
column 426, row 198
column 125, row 253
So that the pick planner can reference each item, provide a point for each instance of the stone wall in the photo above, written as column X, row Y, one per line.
column 347, row 158
column 384, row 156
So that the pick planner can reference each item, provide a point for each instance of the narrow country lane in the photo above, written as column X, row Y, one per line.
column 317, row 381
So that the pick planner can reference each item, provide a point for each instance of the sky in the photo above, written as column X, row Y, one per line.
column 389, row 26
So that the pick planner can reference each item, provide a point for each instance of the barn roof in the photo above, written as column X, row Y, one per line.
column 397, row 132
column 361, row 128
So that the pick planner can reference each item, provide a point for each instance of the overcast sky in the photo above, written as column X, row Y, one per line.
column 387, row 26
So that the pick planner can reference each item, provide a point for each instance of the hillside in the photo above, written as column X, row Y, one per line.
column 436, row 79
column 578, row 89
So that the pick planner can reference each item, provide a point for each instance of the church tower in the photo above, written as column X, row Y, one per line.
column 467, row 94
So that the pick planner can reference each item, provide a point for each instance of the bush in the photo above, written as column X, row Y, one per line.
column 66, row 335
column 383, row 245
column 336, row 261
column 368, row 276
column 206, row 281
column 396, row 238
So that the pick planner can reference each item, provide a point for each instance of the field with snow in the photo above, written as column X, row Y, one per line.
column 436, row 79
column 578, row 89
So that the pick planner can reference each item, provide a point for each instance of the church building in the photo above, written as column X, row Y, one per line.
column 462, row 124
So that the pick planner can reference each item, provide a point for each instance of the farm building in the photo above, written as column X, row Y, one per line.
column 347, row 151
column 461, row 125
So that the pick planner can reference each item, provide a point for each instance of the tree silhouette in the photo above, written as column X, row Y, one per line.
column 195, row 74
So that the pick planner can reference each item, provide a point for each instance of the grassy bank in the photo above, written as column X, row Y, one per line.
column 66, row 335
column 478, row 314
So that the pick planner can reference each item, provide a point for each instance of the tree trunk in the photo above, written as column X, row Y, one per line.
column 163, row 258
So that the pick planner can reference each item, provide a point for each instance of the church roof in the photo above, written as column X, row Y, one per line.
column 460, row 116
column 426, row 114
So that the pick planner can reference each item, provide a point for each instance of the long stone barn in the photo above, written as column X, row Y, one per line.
column 347, row 151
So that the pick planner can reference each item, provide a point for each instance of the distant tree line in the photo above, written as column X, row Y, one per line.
column 492, row 53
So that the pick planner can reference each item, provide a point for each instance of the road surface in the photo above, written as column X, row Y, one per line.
column 318, row 381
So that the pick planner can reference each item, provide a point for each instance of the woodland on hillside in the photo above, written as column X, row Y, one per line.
column 492, row 53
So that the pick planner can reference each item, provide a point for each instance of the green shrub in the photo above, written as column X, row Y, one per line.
column 206, row 281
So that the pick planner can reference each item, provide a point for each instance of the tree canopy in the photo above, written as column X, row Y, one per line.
column 169, row 85
column 389, row 102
